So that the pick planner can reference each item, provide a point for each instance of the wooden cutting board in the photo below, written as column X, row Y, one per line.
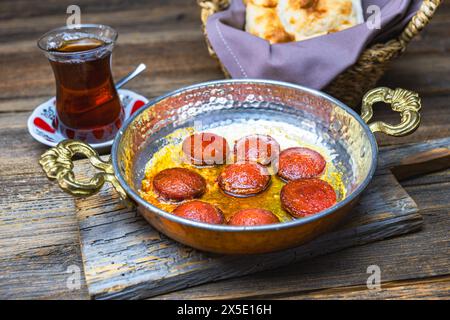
column 124, row 257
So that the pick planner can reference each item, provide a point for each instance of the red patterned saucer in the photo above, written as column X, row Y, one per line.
column 43, row 124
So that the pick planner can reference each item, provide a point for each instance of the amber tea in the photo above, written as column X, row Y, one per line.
column 88, row 106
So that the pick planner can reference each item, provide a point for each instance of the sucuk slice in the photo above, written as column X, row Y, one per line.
column 301, row 198
column 299, row 163
column 257, row 148
column 205, row 149
column 244, row 179
column 179, row 184
column 253, row 217
column 199, row 211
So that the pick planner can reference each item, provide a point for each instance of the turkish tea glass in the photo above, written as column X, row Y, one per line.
column 88, row 106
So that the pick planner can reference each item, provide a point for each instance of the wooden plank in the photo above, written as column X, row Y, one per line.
column 123, row 258
column 37, row 269
column 422, row 163
column 38, row 239
column 169, row 33
column 413, row 256
column 13, row 9
column 23, row 163
column 39, row 260
column 428, row 289
column 396, row 257
column 151, row 30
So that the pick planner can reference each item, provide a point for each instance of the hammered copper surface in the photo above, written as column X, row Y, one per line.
column 323, row 123
column 321, row 119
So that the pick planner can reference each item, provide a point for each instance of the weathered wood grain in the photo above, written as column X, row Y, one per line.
column 422, row 163
column 428, row 289
column 410, row 257
column 124, row 258
column 164, row 35
column 38, row 239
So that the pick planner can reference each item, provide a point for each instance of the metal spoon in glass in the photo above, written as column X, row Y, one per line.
column 130, row 76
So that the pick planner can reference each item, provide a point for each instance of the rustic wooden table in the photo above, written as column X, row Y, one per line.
column 38, row 243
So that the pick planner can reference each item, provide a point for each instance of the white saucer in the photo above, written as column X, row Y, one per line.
column 42, row 122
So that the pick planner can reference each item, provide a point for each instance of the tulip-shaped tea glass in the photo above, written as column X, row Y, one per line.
column 87, row 103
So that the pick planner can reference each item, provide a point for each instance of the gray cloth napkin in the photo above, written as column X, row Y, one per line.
column 314, row 62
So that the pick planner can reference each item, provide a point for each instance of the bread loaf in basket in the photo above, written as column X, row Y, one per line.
column 351, row 85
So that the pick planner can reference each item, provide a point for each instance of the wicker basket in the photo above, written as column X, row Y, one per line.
column 351, row 85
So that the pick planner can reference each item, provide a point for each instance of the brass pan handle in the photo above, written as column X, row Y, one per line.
column 407, row 103
column 58, row 165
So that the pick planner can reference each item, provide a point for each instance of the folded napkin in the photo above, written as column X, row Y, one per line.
column 314, row 62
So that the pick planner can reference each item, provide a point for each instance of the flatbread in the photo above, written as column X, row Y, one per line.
column 304, row 19
column 264, row 23
column 263, row 3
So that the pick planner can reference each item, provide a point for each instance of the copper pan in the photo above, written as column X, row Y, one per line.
column 346, row 135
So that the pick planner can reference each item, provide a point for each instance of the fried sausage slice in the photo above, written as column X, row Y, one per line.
column 305, row 197
column 253, row 217
column 244, row 179
column 299, row 163
column 257, row 148
column 179, row 184
column 205, row 149
column 199, row 211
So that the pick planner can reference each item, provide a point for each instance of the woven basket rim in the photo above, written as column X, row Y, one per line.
column 352, row 83
column 413, row 28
